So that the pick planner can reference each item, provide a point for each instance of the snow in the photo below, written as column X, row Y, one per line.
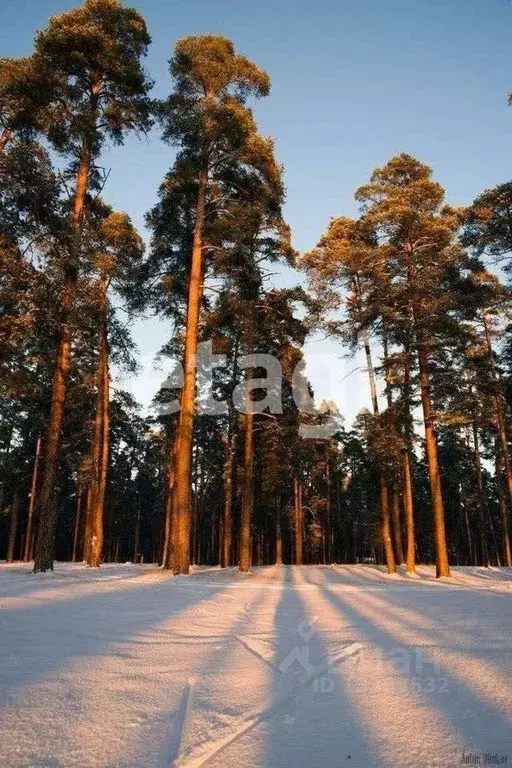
column 129, row 667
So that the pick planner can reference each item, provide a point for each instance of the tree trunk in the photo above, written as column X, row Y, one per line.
column 442, row 566
column 471, row 556
column 482, row 501
column 229, row 469
column 502, row 436
column 297, row 486
column 13, row 529
column 397, row 525
column 77, row 522
column 186, row 420
column 247, row 496
column 137, row 536
column 168, row 550
column 395, row 493
column 410, row 558
column 507, row 557
column 385, row 526
column 32, row 503
column 100, row 453
column 279, row 536
column 47, row 503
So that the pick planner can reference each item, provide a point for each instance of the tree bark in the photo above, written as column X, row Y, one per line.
column 32, row 503
column 385, row 526
column 101, row 441
column 279, row 537
column 442, row 566
column 137, row 536
column 13, row 529
column 297, row 486
column 397, row 525
column 482, row 501
column 77, row 522
column 507, row 557
column 247, row 496
column 229, row 469
column 47, row 503
column 410, row 558
column 168, row 549
column 186, row 421
column 502, row 436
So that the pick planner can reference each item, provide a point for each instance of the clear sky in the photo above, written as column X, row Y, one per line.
column 353, row 83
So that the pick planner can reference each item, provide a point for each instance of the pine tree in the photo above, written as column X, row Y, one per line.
column 94, row 54
column 207, row 119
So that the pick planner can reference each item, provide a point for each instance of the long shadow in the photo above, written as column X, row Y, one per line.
column 47, row 635
column 315, row 724
column 483, row 726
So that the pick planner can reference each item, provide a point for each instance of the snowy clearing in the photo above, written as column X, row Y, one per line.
column 286, row 666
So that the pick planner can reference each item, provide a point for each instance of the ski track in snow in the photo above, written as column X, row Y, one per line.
column 129, row 667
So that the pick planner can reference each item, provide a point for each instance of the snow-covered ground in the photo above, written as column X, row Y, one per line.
column 303, row 667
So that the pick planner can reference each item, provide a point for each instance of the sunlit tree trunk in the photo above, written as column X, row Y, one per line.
column 442, row 566
column 385, row 526
column 101, row 440
column 181, row 558
column 47, row 502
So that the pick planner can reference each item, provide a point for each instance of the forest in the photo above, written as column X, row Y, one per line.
column 419, row 287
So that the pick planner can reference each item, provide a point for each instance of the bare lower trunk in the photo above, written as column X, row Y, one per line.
column 385, row 525
column 247, row 496
column 186, row 422
column 47, row 509
column 229, row 469
column 136, row 542
column 168, row 549
column 32, row 503
column 279, row 539
column 410, row 558
column 502, row 442
column 77, row 523
column 468, row 536
column 96, row 552
column 13, row 528
column 442, row 566
column 297, row 486
column 482, row 501
column 397, row 525
column 507, row 557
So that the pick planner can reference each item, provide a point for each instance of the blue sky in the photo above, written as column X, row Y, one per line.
column 353, row 83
